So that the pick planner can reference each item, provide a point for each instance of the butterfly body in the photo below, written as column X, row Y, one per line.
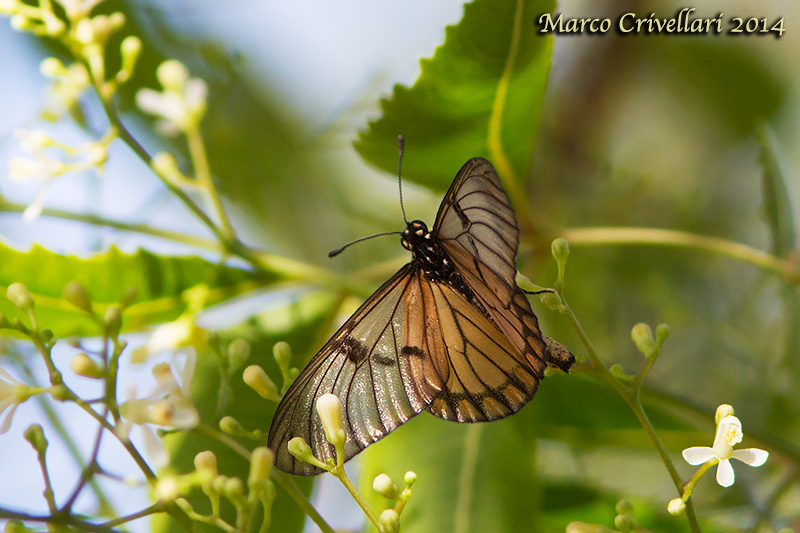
column 450, row 333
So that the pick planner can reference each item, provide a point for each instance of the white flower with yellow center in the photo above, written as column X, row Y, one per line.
column 729, row 433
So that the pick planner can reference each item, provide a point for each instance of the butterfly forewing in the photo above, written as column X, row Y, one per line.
column 360, row 364
column 477, row 227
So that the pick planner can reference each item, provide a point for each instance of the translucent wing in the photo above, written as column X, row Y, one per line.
column 360, row 364
column 477, row 227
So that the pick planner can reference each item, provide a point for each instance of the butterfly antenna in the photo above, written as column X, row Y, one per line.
column 334, row 253
column 401, row 143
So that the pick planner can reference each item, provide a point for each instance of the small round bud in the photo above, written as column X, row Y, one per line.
column 21, row 23
column 642, row 336
column 261, row 461
column 282, row 353
column 238, row 352
column 552, row 300
column 383, row 485
column 623, row 522
column 229, row 425
column 15, row 526
column 300, row 449
column 560, row 249
column 53, row 25
column 260, row 382
column 219, row 484
column 51, row 67
column 172, row 75
column 723, row 411
column 168, row 488
column 83, row 365
column 130, row 48
column 20, row 297
column 113, row 321
column 128, row 296
column 329, row 408
column 410, row 478
column 60, row 393
column 206, row 465
column 676, row 507
column 84, row 31
column 75, row 293
column 624, row 507
column 234, row 489
column 662, row 332
column 165, row 165
column 46, row 336
column 390, row 521
column 618, row 372
column 117, row 20
column 35, row 435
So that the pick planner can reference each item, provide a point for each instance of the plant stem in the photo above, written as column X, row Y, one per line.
column 301, row 500
column 197, row 151
column 341, row 475
column 627, row 236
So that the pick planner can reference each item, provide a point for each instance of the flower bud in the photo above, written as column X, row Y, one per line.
column 238, row 352
column 9, row 7
column 15, row 526
column 218, row 485
column 128, row 296
column 234, row 489
column 229, row 425
column 21, row 23
column 623, row 522
column 259, row 381
column 52, row 67
column 165, row 165
column 117, row 20
column 560, row 250
column 20, row 297
column 282, row 353
column 552, row 301
column 167, row 488
column 84, row 32
column 329, row 408
column 723, row 411
column 410, row 478
column 206, row 463
column 172, row 75
column 83, row 365
column 676, row 507
column 624, row 507
column 390, row 521
column 113, row 321
column 642, row 336
column 662, row 332
column 261, row 461
column 53, row 25
column 383, row 485
column 35, row 435
column 300, row 449
column 75, row 293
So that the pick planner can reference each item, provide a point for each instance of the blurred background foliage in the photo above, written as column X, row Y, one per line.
column 644, row 131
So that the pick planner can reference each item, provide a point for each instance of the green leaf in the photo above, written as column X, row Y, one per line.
column 159, row 282
column 445, row 117
column 778, row 209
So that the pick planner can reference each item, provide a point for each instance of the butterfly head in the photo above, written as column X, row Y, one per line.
column 416, row 231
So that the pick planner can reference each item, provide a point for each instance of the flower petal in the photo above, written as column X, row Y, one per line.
column 7, row 421
column 725, row 475
column 751, row 456
column 697, row 455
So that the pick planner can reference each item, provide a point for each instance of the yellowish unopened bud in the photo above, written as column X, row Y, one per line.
column 83, row 365
column 165, row 165
column 676, row 507
column 410, row 478
column 84, row 31
column 172, row 75
column 261, row 461
column 9, row 7
column 383, row 485
column 238, row 352
column 117, row 20
column 20, row 297
column 21, row 23
column 52, row 68
column 260, row 382
column 560, row 249
column 662, row 332
column 206, row 465
column 75, row 293
column 113, row 321
column 390, row 521
column 300, row 449
column 168, row 488
column 642, row 336
column 329, row 408
column 283, row 354
column 229, row 425
column 723, row 411
column 234, row 489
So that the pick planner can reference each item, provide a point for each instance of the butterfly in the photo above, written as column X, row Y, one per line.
column 450, row 333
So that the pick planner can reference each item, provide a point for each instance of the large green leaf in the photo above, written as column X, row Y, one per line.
column 159, row 282
column 445, row 117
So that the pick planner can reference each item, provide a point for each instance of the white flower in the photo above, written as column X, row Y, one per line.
column 182, row 102
column 729, row 433
column 12, row 394
column 169, row 336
